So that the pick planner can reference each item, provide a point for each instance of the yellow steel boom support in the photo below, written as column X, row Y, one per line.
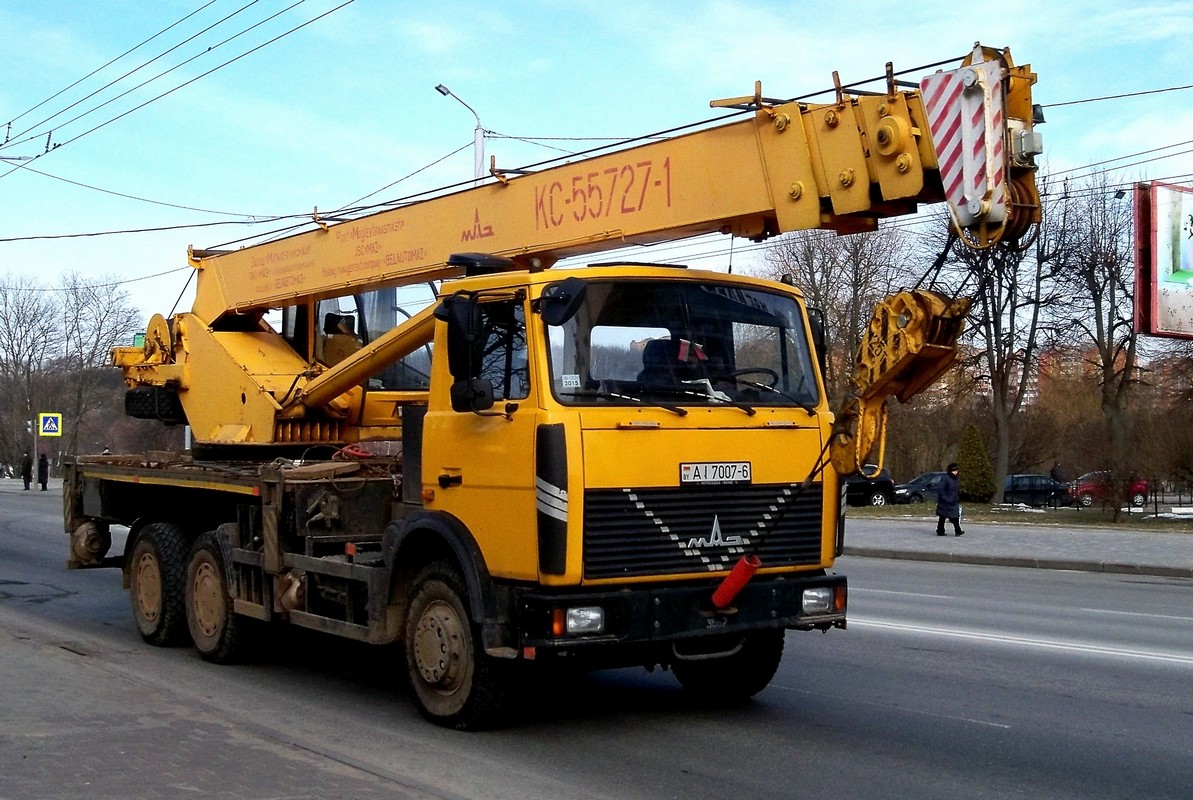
column 790, row 166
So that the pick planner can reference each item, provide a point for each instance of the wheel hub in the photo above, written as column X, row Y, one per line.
column 148, row 586
column 439, row 646
column 208, row 600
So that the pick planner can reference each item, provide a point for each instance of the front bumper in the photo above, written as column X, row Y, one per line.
column 635, row 617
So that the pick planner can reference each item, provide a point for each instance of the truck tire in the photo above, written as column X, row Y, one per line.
column 156, row 582
column 454, row 683
column 737, row 676
column 217, row 631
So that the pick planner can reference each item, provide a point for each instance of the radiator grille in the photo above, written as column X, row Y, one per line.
column 633, row 532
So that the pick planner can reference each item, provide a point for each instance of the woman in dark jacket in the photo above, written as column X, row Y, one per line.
column 43, row 471
column 948, row 502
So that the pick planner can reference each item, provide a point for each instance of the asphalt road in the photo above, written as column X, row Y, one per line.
column 952, row 681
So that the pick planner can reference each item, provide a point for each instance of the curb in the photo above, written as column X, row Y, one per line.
column 1110, row 567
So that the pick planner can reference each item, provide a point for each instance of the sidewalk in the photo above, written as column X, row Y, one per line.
column 1030, row 544
column 53, row 486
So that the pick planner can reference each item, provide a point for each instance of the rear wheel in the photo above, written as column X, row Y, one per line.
column 455, row 684
column 739, row 674
column 157, row 583
column 878, row 499
column 1138, row 499
column 1086, row 499
column 216, row 630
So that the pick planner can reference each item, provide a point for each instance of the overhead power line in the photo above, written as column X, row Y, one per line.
column 104, row 285
column 155, row 229
column 100, row 189
column 100, row 69
column 162, row 74
column 200, row 76
column 47, row 133
column 1117, row 96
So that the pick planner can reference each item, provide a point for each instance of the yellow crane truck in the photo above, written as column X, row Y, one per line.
column 615, row 465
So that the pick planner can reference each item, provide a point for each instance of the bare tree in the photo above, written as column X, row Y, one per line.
column 1012, row 289
column 845, row 277
column 1096, row 271
column 97, row 316
column 29, row 336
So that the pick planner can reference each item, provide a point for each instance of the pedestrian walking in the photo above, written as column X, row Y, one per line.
column 27, row 470
column 43, row 470
column 948, row 501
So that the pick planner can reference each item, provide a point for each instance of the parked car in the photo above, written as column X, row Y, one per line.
column 876, row 491
column 919, row 490
column 1036, row 490
column 1095, row 487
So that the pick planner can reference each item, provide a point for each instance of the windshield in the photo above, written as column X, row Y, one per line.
column 683, row 343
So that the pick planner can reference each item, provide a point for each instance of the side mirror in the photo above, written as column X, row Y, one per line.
column 560, row 302
column 465, row 335
column 472, row 394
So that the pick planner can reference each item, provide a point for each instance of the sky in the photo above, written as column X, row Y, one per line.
column 320, row 115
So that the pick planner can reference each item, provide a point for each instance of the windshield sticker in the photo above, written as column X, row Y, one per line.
column 571, row 381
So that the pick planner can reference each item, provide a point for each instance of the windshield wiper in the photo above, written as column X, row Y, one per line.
column 804, row 404
column 683, row 412
column 726, row 400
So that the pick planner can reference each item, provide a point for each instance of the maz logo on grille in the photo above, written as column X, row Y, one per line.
column 717, row 539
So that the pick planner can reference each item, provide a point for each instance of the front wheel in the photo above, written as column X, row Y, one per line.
column 1138, row 499
column 878, row 499
column 215, row 628
column 744, row 671
column 455, row 684
column 1086, row 499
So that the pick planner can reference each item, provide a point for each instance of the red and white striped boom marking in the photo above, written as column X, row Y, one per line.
column 965, row 116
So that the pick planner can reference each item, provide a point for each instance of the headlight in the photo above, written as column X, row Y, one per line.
column 585, row 619
column 818, row 600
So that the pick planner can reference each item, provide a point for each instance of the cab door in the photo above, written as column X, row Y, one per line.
column 479, row 465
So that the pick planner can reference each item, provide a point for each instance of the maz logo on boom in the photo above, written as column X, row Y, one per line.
column 477, row 231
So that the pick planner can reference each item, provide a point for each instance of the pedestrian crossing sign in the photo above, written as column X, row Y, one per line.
column 49, row 423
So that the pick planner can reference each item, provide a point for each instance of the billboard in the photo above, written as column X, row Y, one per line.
column 1164, row 260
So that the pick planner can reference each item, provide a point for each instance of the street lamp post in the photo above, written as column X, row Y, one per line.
column 478, row 138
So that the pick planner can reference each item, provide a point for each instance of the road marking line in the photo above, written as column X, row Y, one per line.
column 1137, row 614
column 1023, row 640
column 854, row 590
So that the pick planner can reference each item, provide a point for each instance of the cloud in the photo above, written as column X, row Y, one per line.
column 434, row 38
